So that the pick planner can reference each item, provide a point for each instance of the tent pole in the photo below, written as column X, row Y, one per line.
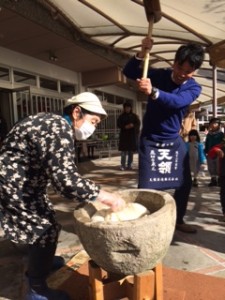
column 214, row 104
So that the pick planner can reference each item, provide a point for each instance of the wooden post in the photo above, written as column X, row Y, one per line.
column 143, row 286
column 158, row 282
column 95, row 282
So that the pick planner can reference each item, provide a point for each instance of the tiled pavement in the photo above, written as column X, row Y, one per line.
column 203, row 252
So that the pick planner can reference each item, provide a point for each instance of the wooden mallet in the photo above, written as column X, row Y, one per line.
column 153, row 14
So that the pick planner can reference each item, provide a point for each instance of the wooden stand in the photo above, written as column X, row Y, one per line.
column 144, row 286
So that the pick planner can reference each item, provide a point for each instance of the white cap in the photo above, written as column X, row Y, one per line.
column 88, row 101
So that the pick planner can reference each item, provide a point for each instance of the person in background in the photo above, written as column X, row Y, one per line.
column 213, row 138
column 129, row 125
column 197, row 157
column 37, row 151
column 188, row 123
column 218, row 151
column 163, row 156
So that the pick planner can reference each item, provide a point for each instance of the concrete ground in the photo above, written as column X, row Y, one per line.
column 201, row 253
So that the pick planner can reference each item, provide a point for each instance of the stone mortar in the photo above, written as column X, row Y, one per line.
column 129, row 247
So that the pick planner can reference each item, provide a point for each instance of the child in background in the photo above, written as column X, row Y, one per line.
column 213, row 138
column 196, row 154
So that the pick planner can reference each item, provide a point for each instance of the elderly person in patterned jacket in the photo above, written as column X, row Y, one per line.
column 37, row 151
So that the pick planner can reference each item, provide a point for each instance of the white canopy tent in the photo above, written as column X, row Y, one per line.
column 93, row 36
column 121, row 24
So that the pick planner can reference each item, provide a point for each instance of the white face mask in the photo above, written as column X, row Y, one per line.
column 86, row 130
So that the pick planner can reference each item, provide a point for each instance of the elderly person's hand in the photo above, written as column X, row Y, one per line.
column 113, row 200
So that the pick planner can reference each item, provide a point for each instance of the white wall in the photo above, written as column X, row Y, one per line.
column 23, row 62
column 118, row 91
column 29, row 64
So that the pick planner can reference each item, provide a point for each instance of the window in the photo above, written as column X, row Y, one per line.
column 25, row 78
column 4, row 74
column 48, row 84
column 109, row 98
column 67, row 88
column 120, row 100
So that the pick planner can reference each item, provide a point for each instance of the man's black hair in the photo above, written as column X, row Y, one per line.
column 127, row 104
column 214, row 120
column 192, row 53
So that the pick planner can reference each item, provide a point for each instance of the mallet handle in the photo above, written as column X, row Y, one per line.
column 147, row 55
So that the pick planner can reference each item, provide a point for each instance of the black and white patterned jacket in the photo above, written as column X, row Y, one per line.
column 37, row 151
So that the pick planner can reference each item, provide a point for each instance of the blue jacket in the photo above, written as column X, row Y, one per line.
column 163, row 116
column 212, row 139
column 201, row 154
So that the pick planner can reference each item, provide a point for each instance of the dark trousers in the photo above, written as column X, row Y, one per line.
column 126, row 158
column 181, row 195
column 40, row 258
column 222, row 193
